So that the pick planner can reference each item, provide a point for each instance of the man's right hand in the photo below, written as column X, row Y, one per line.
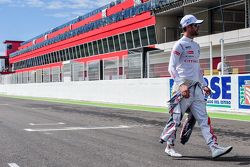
column 184, row 91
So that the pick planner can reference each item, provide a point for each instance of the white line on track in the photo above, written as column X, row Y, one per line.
column 45, row 124
column 4, row 104
column 87, row 128
column 13, row 165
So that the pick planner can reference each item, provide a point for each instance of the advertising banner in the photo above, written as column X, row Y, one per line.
column 221, row 96
column 244, row 92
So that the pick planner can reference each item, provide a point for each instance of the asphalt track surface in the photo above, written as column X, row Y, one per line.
column 45, row 134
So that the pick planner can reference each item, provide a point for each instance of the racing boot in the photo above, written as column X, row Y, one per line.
column 171, row 152
column 218, row 151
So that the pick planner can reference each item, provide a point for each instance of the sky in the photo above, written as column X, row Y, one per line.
column 25, row 19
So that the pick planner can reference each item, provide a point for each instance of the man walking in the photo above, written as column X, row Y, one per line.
column 185, row 69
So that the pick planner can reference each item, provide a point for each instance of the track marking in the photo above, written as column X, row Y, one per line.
column 4, row 104
column 45, row 124
column 86, row 128
column 48, row 133
column 13, row 165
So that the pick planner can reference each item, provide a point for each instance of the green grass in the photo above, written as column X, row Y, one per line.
column 230, row 116
column 215, row 114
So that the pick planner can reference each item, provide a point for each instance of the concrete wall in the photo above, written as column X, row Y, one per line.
column 229, row 93
column 151, row 92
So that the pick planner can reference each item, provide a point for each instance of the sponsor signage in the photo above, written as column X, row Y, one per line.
column 244, row 92
column 221, row 95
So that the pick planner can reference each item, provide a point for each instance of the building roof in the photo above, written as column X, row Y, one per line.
column 11, row 41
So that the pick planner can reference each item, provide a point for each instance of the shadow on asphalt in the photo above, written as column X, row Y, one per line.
column 243, row 160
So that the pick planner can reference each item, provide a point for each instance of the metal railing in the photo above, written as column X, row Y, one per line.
column 158, row 64
column 111, row 68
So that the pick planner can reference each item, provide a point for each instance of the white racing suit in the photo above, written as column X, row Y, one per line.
column 177, row 108
column 185, row 69
column 188, row 126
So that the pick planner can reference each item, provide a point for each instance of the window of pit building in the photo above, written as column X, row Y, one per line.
column 30, row 63
column 90, row 46
column 9, row 46
column 39, row 61
column 46, row 59
column 123, row 41
column 53, row 60
column 111, row 44
column 137, row 40
column 74, row 56
column 95, row 47
column 78, row 51
column 14, row 66
column 100, row 46
column 43, row 59
column 129, row 40
column 86, row 50
column 70, row 54
column 33, row 61
column 75, row 52
column 67, row 54
column 21, row 65
column 105, row 45
column 58, row 56
column 151, row 35
column 144, row 37
column 27, row 63
column 36, row 61
column 117, row 43
column 82, row 51
column 54, row 57
column 49, row 58
column 61, row 53
column 18, row 65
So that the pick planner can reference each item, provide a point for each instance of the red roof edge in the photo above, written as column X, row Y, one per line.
column 11, row 41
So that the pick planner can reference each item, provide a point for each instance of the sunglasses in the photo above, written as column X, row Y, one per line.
column 195, row 25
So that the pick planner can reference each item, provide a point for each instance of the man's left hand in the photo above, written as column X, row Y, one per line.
column 207, row 90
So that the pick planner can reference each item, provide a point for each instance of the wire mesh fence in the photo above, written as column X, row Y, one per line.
column 93, row 70
column 39, row 76
column 77, row 71
column 111, row 68
column 66, row 71
column 46, row 75
column 55, row 74
column 133, row 66
column 32, row 76
column 158, row 64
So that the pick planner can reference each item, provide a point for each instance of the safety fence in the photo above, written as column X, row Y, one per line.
column 126, row 67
